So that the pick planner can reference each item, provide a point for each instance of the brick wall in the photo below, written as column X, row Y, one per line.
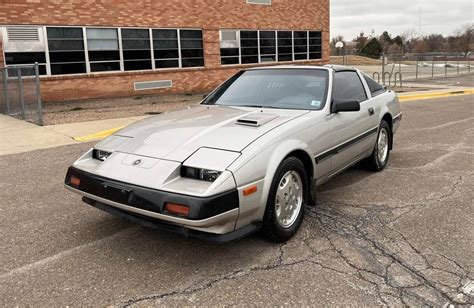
column 209, row 15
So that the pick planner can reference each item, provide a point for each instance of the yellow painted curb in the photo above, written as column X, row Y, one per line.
column 100, row 135
column 423, row 96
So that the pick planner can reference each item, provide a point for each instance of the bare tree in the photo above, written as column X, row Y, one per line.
column 409, row 34
column 465, row 38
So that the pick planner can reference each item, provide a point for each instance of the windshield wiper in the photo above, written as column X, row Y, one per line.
column 257, row 106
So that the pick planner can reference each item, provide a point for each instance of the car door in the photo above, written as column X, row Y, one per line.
column 352, row 132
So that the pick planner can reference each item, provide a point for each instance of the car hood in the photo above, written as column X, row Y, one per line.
column 177, row 135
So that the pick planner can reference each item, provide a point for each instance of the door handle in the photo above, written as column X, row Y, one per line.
column 371, row 111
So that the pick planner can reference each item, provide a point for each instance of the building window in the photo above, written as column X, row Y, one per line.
column 19, row 58
column 75, row 50
column 267, row 46
column 249, row 46
column 300, row 45
column 230, row 47
column 263, row 2
column 103, row 49
column 315, row 43
column 192, row 53
column 166, row 49
column 253, row 46
column 66, row 50
column 285, row 46
column 136, row 49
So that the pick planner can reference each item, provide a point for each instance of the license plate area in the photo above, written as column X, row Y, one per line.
column 115, row 193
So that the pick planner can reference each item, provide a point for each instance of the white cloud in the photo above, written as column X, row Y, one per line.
column 349, row 17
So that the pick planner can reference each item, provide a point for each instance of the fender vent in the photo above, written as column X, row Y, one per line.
column 256, row 119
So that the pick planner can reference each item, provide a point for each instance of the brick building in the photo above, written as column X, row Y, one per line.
column 106, row 48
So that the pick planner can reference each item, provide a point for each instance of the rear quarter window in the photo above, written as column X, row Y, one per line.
column 375, row 87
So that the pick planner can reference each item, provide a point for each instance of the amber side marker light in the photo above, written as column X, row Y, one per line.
column 75, row 181
column 177, row 209
column 250, row 190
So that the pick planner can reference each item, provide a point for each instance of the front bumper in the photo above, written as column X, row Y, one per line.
column 216, row 214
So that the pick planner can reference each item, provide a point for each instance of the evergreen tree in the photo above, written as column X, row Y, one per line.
column 373, row 48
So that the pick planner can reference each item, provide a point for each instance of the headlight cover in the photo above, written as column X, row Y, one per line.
column 100, row 155
column 200, row 174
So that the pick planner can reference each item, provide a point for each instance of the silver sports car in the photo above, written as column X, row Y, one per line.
column 247, row 158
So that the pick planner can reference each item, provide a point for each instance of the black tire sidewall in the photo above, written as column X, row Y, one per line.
column 381, row 165
column 271, row 228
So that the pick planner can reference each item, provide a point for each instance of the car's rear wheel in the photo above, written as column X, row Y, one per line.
column 381, row 153
column 286, row 200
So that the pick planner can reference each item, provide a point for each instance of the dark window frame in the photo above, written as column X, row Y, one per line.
column 374, row 91
column 199, row 60
column 57, row 67
column 41, row 60
column 113, row 64
column 144, row 60
column 164, row 62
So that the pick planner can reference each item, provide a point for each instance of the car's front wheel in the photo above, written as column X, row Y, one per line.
column 285, row 205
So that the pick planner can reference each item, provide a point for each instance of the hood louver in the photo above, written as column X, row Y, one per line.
column 256, row 119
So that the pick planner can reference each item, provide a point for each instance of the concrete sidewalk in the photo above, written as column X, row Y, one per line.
column 18, row 136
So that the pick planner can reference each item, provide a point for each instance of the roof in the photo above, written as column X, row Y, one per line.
column 337, row 68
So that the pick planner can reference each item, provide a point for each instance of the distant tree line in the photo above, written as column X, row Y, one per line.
column 462, row 41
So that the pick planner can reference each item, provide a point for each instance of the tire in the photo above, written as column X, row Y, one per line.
column 284, row 215
column 379, row 160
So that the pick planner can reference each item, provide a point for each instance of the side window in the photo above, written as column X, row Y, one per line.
column 348, row 86
column 374, row 87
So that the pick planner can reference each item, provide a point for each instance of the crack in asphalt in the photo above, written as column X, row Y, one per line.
column 385, row 285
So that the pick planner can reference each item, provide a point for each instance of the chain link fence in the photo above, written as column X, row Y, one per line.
column 20, row 94
column 394, row 69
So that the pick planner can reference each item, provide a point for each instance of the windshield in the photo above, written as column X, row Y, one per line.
column 274, row 88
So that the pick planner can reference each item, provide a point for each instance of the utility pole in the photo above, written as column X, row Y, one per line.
column 420, row 23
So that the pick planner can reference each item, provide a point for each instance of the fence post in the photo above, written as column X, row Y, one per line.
column 457, row 58
column 469, row 63
column 383, row 68
column 417, row 65
column 400, row 63
column 22, row 98
column 5, row 87
column 38, row 95
column 432, row 66
column 445, row 66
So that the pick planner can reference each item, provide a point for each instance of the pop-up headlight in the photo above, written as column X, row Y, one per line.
column 200, row 174
column 100, row 155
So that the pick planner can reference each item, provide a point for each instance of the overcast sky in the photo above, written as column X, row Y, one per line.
column 349, row 17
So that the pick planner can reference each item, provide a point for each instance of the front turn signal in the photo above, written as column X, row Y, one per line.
column 250, row 190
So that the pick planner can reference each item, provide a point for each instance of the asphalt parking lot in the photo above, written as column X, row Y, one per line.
column 403, row 236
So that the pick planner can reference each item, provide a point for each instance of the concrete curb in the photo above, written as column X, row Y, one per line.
column 431, row 95
column 402, row 98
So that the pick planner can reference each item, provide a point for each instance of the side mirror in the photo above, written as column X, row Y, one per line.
column 345, row 106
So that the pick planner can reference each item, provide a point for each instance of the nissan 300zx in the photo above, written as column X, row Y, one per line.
column 248, row 158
